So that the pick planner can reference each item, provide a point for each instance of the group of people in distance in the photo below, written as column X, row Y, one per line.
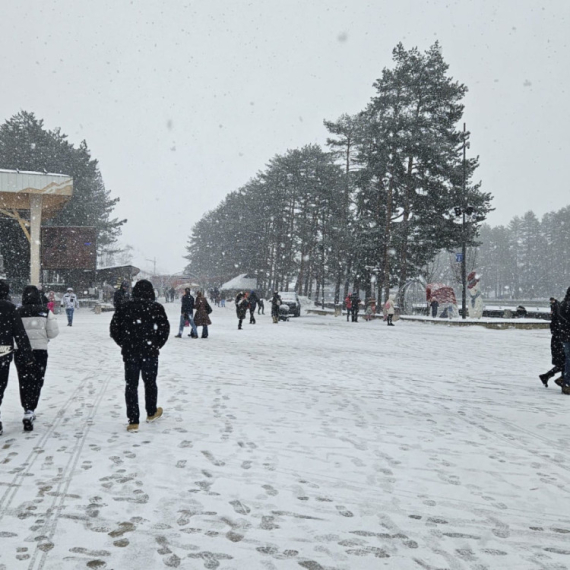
column 194, row 313
column 352, row 305
column 559, row 343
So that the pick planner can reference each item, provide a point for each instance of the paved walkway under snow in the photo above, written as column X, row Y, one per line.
column 315, row 444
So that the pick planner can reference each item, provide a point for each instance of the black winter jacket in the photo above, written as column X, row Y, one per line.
column 242, row 304
column 564, row 318
column 120, row 297
column 140, row 327
column 187, row 304
column 11, row 327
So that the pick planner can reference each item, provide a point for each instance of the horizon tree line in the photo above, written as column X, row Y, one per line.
column 370, row 211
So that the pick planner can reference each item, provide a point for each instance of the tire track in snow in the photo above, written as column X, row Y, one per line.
column 14, row 485
column 53, row 512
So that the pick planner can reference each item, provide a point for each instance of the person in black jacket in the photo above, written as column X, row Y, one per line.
column 275, row 304
column 140, row 327
column 355, row 306
column 564, row 315
column 11, row 328
column 187, row 314
column 253, row 300
column 121, row 295
column 556, row 346
column 242, row 304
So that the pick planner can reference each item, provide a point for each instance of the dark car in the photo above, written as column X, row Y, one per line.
column 291, row 299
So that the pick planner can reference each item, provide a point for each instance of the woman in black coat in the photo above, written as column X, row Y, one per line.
column 556, row 346
column 242, row 304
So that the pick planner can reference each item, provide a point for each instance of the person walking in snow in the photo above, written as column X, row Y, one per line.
column 253, row 300
column 70, row 303
column 275, row 304
column 203, row 310
column 260, row 306
column 141, row 328
column 41, row 326
column 564, row 315
column 242, row 304
column 11, row 328
column 121, row 295
column 556, row 346
column 187, row 315
column 390, row 309
column 354, row 306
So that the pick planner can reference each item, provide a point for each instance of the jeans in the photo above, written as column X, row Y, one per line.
column 31, row 380
column 205, row 331
column 134, row 366
column 69, row 316
column 567, row 364
column 192, row 325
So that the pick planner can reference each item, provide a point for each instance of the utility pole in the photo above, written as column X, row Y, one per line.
column 463, row 232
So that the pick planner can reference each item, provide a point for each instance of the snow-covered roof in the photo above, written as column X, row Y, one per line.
column 243, row 281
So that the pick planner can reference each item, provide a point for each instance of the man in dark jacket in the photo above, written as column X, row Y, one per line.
column 11, row 328
column 242, row 304
column 564, row 314
column 354, row 303
column 121, row 295
column 140, row 327
column 275, row 304
column 556, row 346
column 253, row 300
column 187, row 314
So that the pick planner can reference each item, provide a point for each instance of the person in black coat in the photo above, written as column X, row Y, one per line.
column 556, row 346
column 121, row 295
column 275, row 304
column 253, row 300
column 242, row 304
column 187, row 314
column 11, row 328
column 564, row 315
column 354, row 306
column 140, row 327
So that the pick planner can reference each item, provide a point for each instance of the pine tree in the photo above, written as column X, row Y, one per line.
column 25, row 144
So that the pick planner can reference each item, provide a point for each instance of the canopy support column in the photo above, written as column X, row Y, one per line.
column 35, row 237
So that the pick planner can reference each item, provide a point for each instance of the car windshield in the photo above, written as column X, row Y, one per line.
column 290, row 296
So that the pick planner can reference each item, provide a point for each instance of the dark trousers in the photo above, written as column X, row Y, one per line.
column 354, row 312
column 260, row 308
column 31, row 379
column 4, row 371
column 134, row 366
column 252, row 316
column 240, row 321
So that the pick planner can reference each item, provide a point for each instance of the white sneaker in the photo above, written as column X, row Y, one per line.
column 28, row 420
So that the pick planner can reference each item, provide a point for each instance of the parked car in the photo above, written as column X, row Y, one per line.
column 291, row 299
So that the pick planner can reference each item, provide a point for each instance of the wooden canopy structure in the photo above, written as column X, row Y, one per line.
column 41, row 194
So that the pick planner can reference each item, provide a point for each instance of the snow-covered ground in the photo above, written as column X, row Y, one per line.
column 315, row 444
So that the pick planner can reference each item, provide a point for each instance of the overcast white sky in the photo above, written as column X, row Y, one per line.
column 182, row 102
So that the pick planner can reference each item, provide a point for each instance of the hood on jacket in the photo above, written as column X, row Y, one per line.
column 4, row 289
column 31, row 295
column 144, row 290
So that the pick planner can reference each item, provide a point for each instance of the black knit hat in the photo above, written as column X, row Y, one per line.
column 143, row 290
column 31, row 295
